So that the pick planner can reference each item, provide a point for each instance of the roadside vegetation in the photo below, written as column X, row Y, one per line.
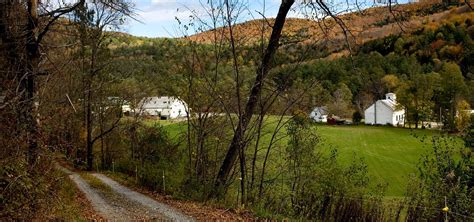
column 57, row 197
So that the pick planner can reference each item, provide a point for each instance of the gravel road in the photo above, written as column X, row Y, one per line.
column 119, row 203
column 154, row 206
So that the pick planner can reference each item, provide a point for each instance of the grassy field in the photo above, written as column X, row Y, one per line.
column 390, row 153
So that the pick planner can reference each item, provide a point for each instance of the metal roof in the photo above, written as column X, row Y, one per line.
column 162, row 102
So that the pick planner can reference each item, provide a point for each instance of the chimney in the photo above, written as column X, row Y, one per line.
column 391, row 96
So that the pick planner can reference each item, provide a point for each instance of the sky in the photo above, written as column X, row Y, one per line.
column 157, row 18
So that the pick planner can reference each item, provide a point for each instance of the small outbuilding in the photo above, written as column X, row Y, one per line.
column 385, row 112
column 113, row 101
column 319, row 114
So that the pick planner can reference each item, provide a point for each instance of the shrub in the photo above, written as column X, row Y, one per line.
column 468, row 136
column 153, row 155
column 443, row 175
column 39, row 194
column 356, row 117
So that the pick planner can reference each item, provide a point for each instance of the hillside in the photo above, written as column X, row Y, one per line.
column 366, row 25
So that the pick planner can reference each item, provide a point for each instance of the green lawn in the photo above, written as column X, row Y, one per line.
column 390, row 153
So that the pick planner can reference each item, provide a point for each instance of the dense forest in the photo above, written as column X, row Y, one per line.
column 247, row 138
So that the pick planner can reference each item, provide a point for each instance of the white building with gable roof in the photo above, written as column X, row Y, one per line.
column 385, row 111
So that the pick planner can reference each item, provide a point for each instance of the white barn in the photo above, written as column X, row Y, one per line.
column 319, row 114
column 385, row 111
column 165, row 107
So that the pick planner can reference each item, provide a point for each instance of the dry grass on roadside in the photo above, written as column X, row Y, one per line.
column 95, row 183
column 68, row 203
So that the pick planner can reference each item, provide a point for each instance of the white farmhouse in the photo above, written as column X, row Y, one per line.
column 165, row 107
column 385, row 111
column 319, row 114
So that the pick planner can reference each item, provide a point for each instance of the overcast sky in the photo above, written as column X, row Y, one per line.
column 157, row 18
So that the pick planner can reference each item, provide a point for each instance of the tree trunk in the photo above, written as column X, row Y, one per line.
column 255, row 152
column 89, row 124
column 243, row 180
column 417, row 113
column 89, row 143
column 237, row 140
column 102, row 148
column 408, row 122
column 28, row 83
column 133, row 139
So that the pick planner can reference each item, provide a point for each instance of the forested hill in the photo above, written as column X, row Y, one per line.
column 365, row 25
column 324, row 38
column 440, row 42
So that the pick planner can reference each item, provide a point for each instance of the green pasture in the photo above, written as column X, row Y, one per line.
column 390, row 153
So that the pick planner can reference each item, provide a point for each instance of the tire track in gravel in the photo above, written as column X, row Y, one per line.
column 168, row 212
column 98, row 203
